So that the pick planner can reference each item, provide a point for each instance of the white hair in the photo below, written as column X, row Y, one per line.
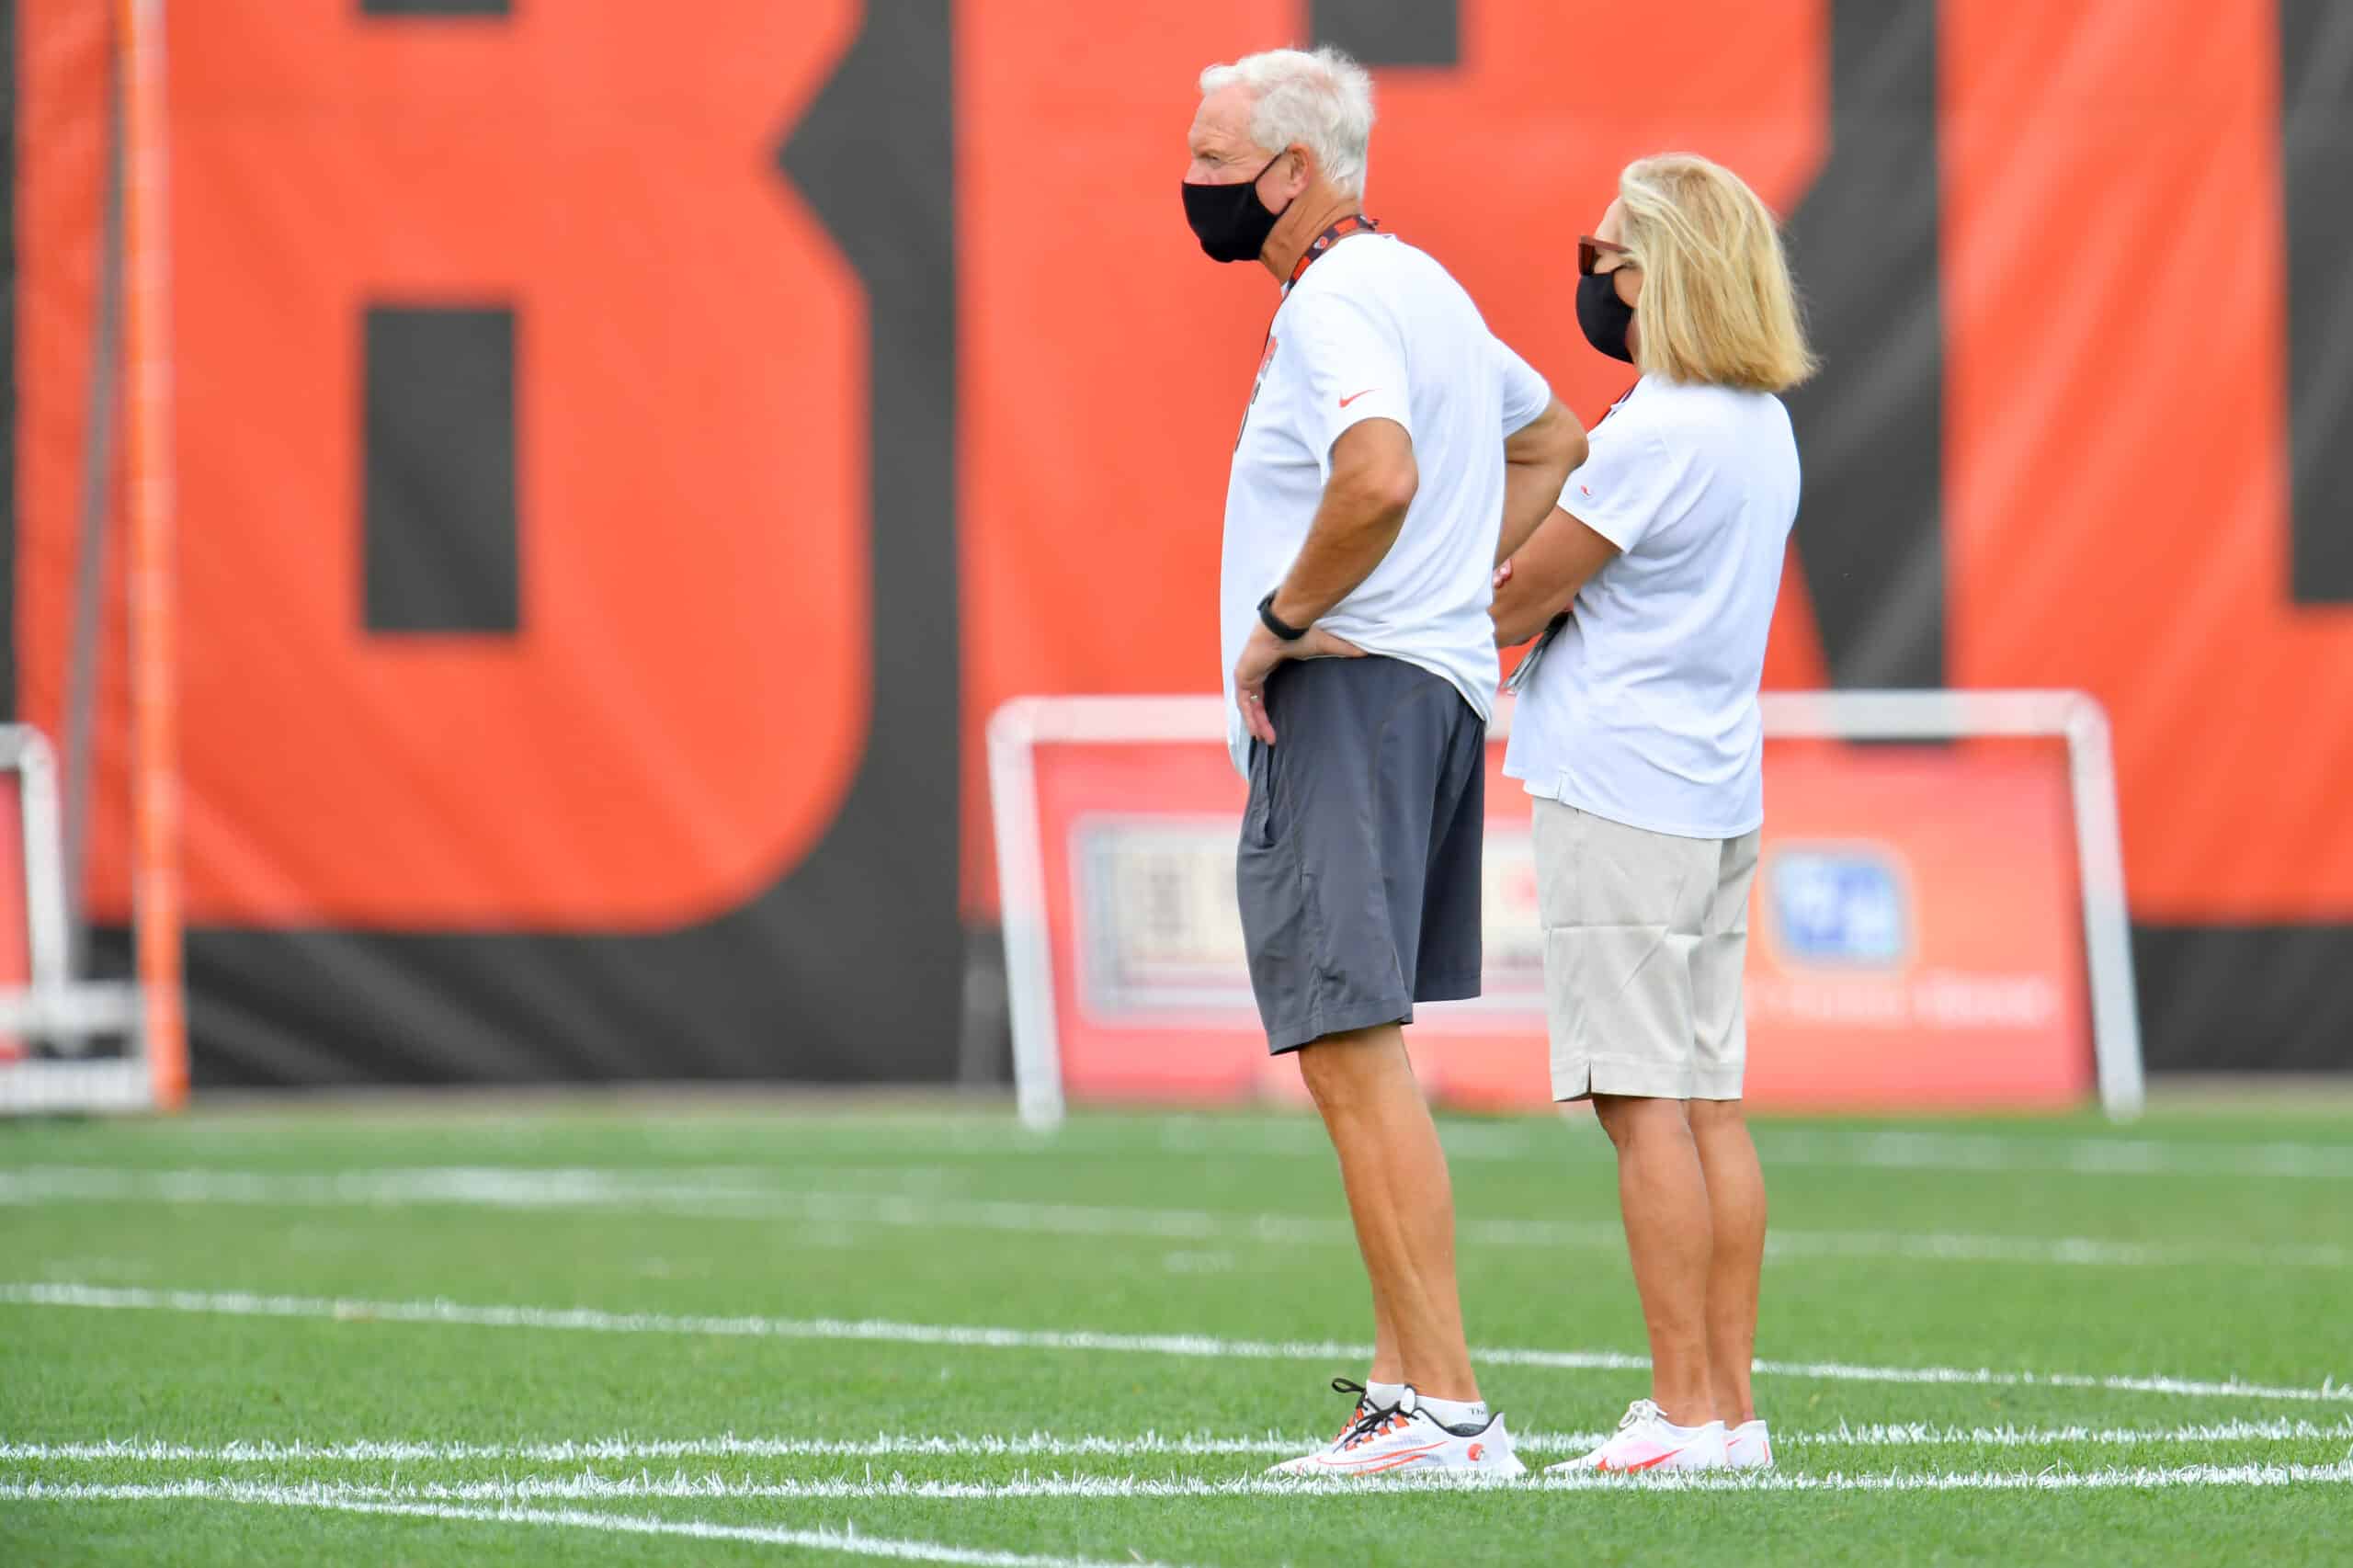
column 1322, row 101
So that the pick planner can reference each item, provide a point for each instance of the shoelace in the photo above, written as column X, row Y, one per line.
column 1364, row 1404
column 1640, row 1413
column 1376, row 1424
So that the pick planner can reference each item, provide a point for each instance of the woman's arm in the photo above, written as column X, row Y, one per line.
column 1540, row 580
column 1538, row 459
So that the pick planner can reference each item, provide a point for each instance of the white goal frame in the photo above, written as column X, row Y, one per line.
column 52, row 1007
column 131, row 342
column 1018, row 728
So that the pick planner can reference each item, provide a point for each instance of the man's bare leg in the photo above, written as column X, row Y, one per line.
column 1399, row 1195
column 1736, row 1204
column 1388, row 1360
column 1664, row 1196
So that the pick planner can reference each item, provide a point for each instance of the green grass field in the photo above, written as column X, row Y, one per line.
column 764, row 1334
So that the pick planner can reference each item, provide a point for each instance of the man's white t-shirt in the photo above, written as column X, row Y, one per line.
column 1375, row 329
column 1643, row 710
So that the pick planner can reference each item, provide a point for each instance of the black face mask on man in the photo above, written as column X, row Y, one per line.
column 1229, row 219
column 1604, row 316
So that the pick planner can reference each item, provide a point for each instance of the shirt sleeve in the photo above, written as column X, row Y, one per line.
column 1352, row 369
column 1526, row 395
column 1627, row 483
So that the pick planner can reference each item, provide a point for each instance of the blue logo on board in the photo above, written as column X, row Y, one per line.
column 1840, row 906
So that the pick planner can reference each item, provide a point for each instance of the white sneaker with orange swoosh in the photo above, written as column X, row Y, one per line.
column 1408, row 1440
column 1750, row 1447
column 1364, row 1407
column 1645, row 1441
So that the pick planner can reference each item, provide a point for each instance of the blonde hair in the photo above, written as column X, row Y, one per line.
column 1717, row 303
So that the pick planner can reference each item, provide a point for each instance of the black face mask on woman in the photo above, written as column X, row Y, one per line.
column 1604, row 315
column 1229, row 219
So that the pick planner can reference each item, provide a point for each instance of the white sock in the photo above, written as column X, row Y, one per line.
column 1457, row 1412
column 1383, row 1396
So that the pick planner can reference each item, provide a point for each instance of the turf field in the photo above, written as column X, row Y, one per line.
column 760, row 1335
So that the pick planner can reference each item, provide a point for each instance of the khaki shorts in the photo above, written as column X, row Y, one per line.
column 1645, row 935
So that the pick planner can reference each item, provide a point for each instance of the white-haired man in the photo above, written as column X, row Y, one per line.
column 1393, row 451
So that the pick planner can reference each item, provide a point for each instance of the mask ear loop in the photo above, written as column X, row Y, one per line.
column 1270, row 163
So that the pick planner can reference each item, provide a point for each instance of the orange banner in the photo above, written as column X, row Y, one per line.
column 853, row 371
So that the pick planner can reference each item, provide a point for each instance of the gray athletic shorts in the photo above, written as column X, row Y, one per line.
column 1359, row 863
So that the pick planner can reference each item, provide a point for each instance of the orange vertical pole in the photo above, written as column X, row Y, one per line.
column 154, row 684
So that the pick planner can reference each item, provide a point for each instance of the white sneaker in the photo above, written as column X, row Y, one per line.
column 1408, row 1440
column 1749, row 1447
column 1363, row 1409
column 1646, row 1440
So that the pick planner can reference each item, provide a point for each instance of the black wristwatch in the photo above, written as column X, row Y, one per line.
column 1276, row 624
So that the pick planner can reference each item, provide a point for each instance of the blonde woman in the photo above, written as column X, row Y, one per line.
column 1639, row 737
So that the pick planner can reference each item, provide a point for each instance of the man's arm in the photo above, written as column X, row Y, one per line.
column 1538, row 459
column 1543, row 577
column 1374, row 481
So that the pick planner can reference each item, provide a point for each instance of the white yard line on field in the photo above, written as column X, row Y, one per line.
column 1041, row 1444
column 1544, row 1140
column 592, row 1487
column 354, row 1501
column 2076, row 1156
column 738, row 1199
column 1918, row 1434
column 590, row 1320
column 1534, row 1138
column 399, row 1186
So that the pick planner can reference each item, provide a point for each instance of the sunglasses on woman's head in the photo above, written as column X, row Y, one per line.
column 1590, row 251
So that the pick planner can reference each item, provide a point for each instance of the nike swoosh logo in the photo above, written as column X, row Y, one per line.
column 1353, row 396
column 1380, row 1462
column 1655, row 1461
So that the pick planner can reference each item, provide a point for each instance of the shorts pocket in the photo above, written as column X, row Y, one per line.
column 1259, row 817
column 1277, row 930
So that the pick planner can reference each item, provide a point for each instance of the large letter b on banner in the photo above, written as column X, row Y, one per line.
column 524, row 454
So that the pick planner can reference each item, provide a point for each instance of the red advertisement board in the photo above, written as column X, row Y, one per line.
column 1916, row 932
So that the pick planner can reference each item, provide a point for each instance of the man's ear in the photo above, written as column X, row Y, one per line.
column 1301, row 170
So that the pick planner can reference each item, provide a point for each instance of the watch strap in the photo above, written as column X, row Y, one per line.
column 1276, row 624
